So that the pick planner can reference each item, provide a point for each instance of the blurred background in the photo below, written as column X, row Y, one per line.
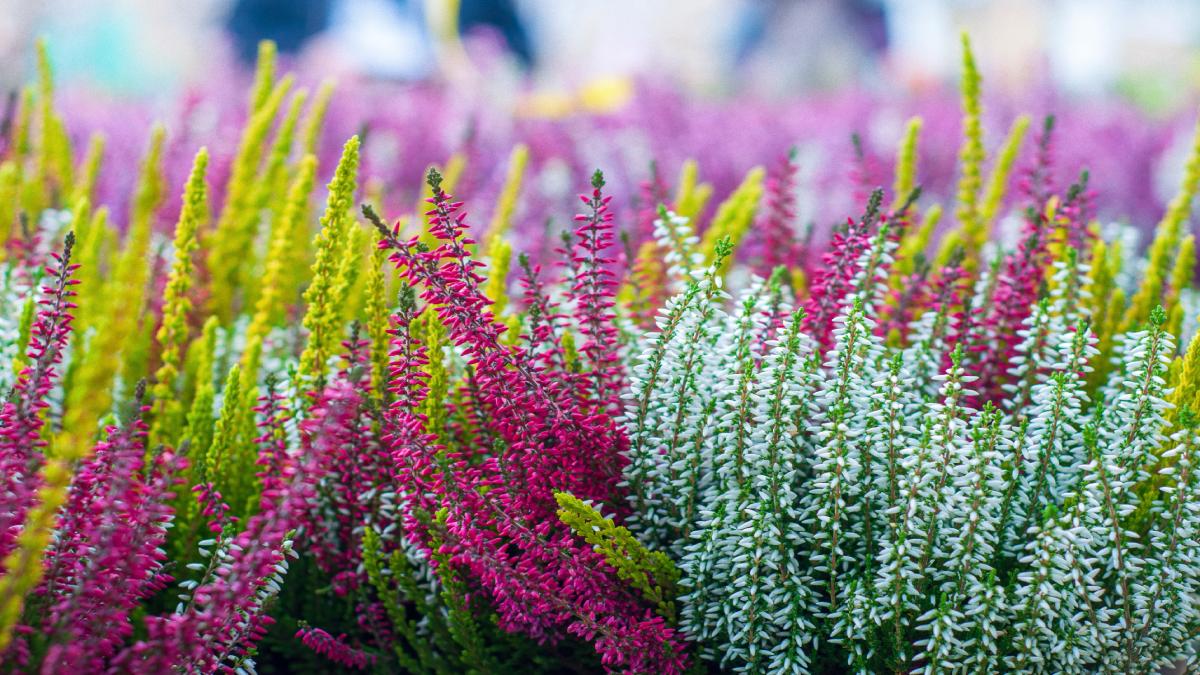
column 1140, row 50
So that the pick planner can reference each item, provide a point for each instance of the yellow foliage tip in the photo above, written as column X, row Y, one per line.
column 264, row 74
column 906, row 163
column 502, row 218
column 971, row 155
column 999, row 179
column 323, row 315
column 499, row 255
column 649, row 572
column 173, row 332
column 316, row 117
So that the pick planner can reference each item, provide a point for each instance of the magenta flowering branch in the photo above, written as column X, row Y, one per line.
column 108, row 556
column 21, row 418
column 545, row 437
column 592, row 292
column 777, row 222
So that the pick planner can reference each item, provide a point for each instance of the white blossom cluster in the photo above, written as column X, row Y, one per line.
column 857, row 508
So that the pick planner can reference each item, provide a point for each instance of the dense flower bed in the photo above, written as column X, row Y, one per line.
column 681, row 435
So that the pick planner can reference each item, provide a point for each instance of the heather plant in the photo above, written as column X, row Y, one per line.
column 692, row 435
column 987, row 481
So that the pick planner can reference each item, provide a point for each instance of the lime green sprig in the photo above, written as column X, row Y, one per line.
column 226, row 437
column 152, row 185
column 1166, row 242
column 200, row 420
column 433, row 335
column 264, row 75
column 118, row 334
column 276, row 288
column 275, row 178
column 24, row 331
column 971, row 157
column 89, row 168
column 173, row 331
column 399, row 572
column 54, row 150
column 230, row 247
column 316, row 117
column 378, row 324
column 1181, row 278
column 507, row 202
column 735, row 215
column 906, row 163
column 651, row 573
column 499, row 255
column 691, row 196
column 998, row 180
column 322, row 320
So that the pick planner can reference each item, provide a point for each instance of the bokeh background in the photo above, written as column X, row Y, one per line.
column 1140, row 50
column 636, row 87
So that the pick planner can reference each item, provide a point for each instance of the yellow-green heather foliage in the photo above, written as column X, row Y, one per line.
column 906, row 163
column 151, row 187
column 998, row 180
column 172, row 333
column 23, row 129
column 1166, row 243
column 275, row 177
column 650, row 572
column 222, row 455
column 118, row 333
column 735, row 215
column 94, row 240
column 10, row 189
column 23, row 566
column 1181, row 278
column 316, row 117
column 199, row 434
column 507, row 203
column 89, row 168
column 433, row 334
column 378, row 323
column 275, row 289
column 54, row 151
column 230, row 248
column 1107, row 302
column 323, row 318
column 348, row 295
column 971, row 231
column 264, row 75
column 499, row 256
column 691, row 197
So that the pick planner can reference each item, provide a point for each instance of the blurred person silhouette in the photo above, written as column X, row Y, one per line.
column 380, row 38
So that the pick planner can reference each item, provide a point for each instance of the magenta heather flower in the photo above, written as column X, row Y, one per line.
column 497, row 509
column 592, row 291
column 335, row 649
column 778, row 241
column 21, row 417
column 108, row 554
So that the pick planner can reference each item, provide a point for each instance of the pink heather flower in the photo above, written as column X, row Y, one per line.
column 335, row 649
column 217, row 630
column 543, row 435
column 107, row 556
column 835, row 280
column 652, row 192
column 357, row 468
column 20, row 417
column 777, row 220
column 592, row 291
